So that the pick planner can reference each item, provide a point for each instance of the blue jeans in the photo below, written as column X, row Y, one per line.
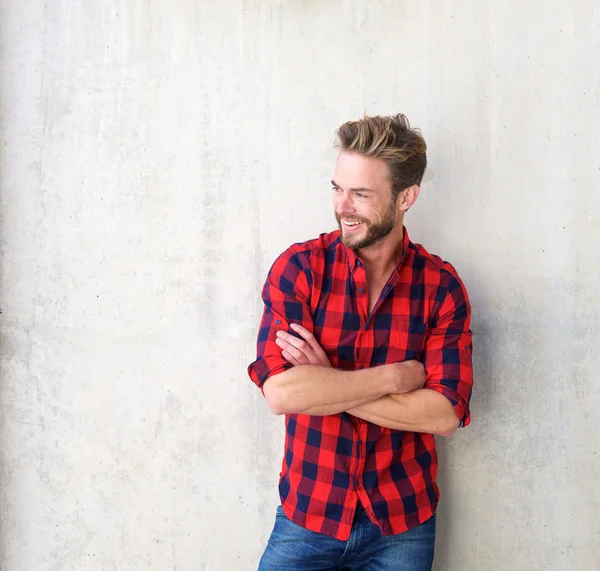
column 294, row 548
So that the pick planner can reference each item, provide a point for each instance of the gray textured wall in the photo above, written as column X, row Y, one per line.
column 157, row 156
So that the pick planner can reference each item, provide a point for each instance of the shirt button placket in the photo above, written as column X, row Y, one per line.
column 361, row 289
column 355, row 482
column 361, row 434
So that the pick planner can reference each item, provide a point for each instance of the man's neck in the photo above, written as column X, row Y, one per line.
column 383, row 257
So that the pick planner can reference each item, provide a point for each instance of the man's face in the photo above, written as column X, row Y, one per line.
column 362, row 200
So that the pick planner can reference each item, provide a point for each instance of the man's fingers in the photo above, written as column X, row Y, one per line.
column 289, row 358
column 296, row 353
column 304, row 351
column 321, row 352
column 306, row 334
column 294, row 341
column 310, row 339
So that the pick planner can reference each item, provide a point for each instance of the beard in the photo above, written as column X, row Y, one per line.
column 376, row 231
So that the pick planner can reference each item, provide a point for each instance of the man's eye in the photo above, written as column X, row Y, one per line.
column 360, row 195
column 335, row 189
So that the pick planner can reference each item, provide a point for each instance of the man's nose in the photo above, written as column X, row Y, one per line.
column 344, row 203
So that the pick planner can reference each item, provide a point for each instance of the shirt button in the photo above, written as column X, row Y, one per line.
column 361, row 290
column 278, row 322
column 355, row 483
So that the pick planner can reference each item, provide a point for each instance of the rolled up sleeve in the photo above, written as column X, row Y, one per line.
column 286, row 295
column 448, row 350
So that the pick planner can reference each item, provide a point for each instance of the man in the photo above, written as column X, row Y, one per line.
column 365, row 346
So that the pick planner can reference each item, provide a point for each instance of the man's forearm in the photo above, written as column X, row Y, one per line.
column 310, row 389
column 422, row 410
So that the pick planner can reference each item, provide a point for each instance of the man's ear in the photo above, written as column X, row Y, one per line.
column 408, row 197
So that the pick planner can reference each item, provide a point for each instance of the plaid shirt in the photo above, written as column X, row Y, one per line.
column 331, row 461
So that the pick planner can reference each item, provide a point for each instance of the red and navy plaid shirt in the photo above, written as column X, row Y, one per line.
column 331, row 461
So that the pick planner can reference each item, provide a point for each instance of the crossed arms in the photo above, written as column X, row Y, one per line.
column 389, row 395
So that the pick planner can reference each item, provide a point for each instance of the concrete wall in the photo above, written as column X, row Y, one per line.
column 156, row 156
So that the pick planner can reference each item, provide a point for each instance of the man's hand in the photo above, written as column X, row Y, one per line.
column 411, row 376
column 305, row 351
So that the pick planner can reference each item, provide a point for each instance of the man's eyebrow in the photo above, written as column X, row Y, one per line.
column 357, row 189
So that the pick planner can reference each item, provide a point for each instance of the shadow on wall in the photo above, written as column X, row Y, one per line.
column 452, row 452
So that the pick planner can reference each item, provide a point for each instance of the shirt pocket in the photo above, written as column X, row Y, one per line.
column 407, row 338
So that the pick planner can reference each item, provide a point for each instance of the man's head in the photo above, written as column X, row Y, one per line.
column 377, row 177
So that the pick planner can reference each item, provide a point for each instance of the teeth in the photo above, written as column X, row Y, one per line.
column 351, row 223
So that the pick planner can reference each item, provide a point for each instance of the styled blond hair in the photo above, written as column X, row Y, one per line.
column 391, row 139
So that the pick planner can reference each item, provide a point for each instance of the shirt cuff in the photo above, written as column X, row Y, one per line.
column 461, row 409
column 265, row 367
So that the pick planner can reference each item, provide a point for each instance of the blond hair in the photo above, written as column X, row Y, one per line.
column 391, row 139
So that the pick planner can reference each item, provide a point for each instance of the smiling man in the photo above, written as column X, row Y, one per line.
column 365, row 346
